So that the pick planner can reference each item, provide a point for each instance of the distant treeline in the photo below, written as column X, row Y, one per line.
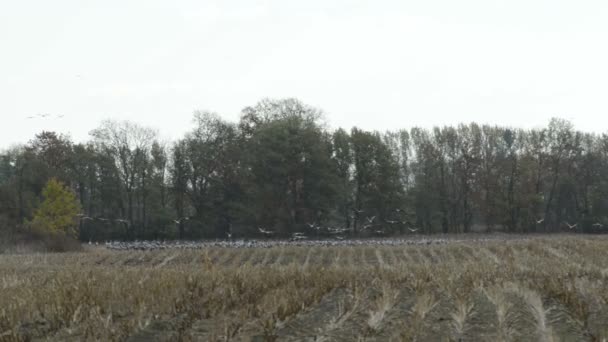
column 281, row 169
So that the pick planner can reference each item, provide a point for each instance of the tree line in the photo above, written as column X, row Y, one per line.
column 280, row 169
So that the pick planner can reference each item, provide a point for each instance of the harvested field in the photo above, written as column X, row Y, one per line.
column 538, row 289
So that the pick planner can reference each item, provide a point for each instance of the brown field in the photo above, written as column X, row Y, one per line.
column 540, row 289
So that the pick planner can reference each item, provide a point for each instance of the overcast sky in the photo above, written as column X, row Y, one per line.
column 373, row 64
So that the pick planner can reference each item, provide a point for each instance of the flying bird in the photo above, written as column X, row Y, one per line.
column 571, row 226
column 298, row 236
column 371, row 219
column 265, row 232
column 313, row 226
column 123, row 221
column 540, row 221
column 598, row 225
column 391, row 222
column 413, row 230
column 179, row 221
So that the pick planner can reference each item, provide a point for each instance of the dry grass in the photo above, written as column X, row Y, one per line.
column 542, row 289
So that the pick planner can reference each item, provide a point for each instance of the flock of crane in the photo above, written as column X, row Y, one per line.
column 241, row 243
column 370, row 224
column 44, row 116
column 334, row 236
column 574, row 226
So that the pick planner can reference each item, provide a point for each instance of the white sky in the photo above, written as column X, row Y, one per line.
column 373, row 64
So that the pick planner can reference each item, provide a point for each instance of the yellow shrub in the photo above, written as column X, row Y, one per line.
column 57, row 213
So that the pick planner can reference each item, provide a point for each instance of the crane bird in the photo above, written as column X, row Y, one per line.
column 413, row 230
column 571, row 226
column 598, row 225
column 358, row 211
column 183, row 219
column 123, row 221
column 265, row 232
column 540, row 221
column 229, row 234
column 371, row 219
column 298, row 236
column 368, row 226
column 84, row 217
column 391, row 222
column 314, row 226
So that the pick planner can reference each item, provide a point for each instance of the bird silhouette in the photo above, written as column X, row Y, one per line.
column 571, row 226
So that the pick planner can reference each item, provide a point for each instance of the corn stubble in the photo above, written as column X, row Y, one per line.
column 541, row 289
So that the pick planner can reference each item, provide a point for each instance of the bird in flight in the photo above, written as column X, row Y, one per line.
column 183, row 219
column 313, row 226
column 84, row 218
column 391, row 222
column 371, row 219
column 265, row 232
column 571, row 226
column 413, row 230
column 123, row 221
column 598, row 225
column 540, row 221
column 44, row 115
